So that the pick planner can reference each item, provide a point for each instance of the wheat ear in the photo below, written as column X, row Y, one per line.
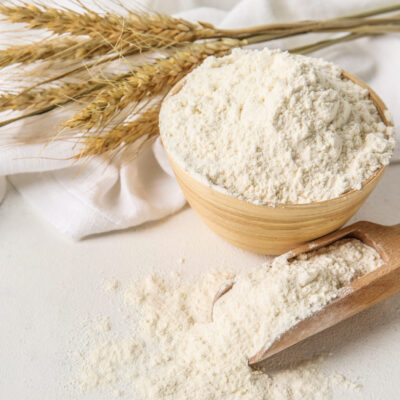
column 52, row 96
column 144, row 126
column 135, row 26
column 60, row 48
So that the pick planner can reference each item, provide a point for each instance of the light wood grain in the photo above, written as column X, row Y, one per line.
column 273, row 230
column 361, row 294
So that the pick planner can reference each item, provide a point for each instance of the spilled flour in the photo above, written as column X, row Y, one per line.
column 169, row 348
column 273, row 127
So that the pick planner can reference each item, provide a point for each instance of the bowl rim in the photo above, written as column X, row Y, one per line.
column 377, row 174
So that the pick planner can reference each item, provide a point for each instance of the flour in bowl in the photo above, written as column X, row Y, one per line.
column 272, row 127
column 169, row 349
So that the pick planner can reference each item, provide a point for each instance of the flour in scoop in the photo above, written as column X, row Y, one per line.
column 168, row 348
column 272, row 127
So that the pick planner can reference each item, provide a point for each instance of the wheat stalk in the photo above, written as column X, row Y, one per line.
column 310, row 48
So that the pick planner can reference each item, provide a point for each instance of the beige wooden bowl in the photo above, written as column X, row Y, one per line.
column 273, row 230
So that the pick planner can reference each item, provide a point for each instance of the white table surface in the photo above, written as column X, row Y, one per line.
column 49, row 285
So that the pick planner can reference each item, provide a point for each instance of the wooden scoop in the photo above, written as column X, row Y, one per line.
column 359, row 295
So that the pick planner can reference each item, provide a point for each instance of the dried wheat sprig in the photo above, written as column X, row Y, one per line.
column 163, row 25
column 111, row 26
column 147, row 80
column 56, row 20
column 144, row 126
column 107, row 30
column 60, row 48
column 76, row 70
column 88, row 66
column 116, row 28
column 46, row 100
column 57, row 95
column 156, row 27
column 37, row 99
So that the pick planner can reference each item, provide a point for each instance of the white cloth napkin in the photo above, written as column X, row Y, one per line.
column 100, row 197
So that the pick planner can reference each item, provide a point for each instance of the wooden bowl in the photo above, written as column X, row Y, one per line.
column 273, row 230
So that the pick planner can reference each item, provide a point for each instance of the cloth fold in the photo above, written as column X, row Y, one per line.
column 100, row 197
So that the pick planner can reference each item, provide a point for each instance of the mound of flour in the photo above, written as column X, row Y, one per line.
column 271, row 127
column 168, row 348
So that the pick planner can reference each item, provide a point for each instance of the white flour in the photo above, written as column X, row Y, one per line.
column 271, row 127
column 171, row 350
